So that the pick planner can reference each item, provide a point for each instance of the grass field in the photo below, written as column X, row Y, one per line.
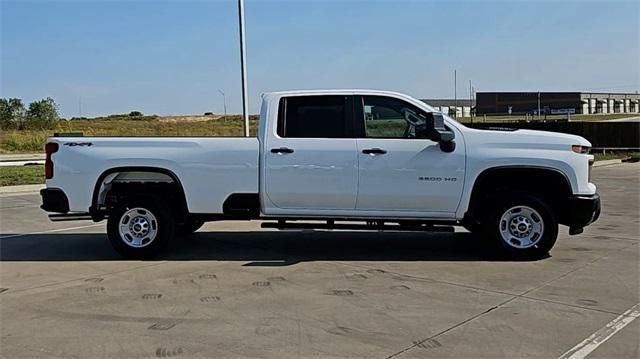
column 594, row 118
column 28, row 141
column 12, row 176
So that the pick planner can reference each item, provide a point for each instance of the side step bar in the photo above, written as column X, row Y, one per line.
column 74, row 216
column 371, row 226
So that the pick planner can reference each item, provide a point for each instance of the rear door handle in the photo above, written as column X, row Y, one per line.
column 374, row 151
column 281, row 150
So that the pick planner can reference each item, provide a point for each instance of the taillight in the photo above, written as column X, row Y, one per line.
column 50, row 148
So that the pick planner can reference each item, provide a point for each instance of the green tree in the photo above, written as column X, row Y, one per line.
column 12, row 113
column 42, row 114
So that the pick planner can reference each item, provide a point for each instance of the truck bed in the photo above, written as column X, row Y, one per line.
column 208, row 168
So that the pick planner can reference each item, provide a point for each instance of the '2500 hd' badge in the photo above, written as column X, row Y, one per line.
column 437, row 179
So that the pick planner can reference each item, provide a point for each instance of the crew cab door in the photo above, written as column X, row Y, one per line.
column 399, row 169
column 311, row 160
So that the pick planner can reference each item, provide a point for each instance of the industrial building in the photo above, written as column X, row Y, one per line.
column 551, row 103
column 452, row 107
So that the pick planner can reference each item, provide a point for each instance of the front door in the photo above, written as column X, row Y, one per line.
column 312, row 163
column 399, row 169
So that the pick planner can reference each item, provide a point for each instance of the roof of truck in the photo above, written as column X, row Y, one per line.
column 347, row 92
column 335, row 91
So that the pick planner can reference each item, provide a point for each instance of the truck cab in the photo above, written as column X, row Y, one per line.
column 331, row 159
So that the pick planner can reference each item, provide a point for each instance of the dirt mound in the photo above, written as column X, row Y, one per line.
column 187, row 118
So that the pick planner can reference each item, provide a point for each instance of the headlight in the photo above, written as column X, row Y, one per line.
column 580, row 149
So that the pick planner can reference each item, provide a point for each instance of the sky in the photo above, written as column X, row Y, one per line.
column 172, row 57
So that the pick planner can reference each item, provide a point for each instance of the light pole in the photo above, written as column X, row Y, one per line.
column 538, row 105
column 224, row 102
column 455, row 94
column 470, row 102
column 243, row 68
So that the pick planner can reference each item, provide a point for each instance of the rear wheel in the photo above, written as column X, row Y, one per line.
column 141, row 228
column 522, row 226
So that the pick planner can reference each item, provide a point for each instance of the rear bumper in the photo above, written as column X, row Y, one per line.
column 54, row 200
column 583, row 210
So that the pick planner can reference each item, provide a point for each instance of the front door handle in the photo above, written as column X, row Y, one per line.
column 374, row 151
column 281, row 150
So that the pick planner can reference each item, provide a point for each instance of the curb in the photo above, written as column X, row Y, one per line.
column 607, row 163
column 22, row 157
column 21, row 189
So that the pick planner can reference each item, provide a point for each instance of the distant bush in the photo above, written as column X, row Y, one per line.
column 135, row 114
column 41, row 114
column 208, row 113
column 12, row 113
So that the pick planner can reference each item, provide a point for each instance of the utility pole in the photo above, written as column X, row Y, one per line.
column 224, row 101
column 470, row 101
column 538, row 105
column 243, row 68
column 455, row 94
column 79, row 106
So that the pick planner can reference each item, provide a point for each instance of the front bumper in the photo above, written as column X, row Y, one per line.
column 54, row 200
column 582, row 211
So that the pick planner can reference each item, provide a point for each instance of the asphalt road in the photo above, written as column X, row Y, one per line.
column 234, row 290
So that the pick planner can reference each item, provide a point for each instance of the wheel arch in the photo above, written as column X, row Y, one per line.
column 519, row 178
column 100, row 189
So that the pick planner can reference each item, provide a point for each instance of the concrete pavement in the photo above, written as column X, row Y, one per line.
column 235, row 290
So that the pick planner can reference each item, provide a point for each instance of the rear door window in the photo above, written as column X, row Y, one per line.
column 316, row 117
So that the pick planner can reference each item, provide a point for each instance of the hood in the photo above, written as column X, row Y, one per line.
column 527, row 138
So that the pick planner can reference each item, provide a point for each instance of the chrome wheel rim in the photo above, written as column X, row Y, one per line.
column 521, row 227
column 138, row 227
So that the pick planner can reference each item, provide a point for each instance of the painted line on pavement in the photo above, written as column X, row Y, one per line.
column 50, row 231
column 596, row 339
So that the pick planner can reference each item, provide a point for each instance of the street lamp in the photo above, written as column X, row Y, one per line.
column 243, row 67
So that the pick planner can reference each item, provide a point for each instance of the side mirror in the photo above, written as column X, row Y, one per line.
column 436, row 131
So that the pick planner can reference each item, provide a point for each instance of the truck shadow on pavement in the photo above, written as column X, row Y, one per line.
column 262, row 248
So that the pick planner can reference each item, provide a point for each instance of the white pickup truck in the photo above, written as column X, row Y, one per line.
column 340, row 159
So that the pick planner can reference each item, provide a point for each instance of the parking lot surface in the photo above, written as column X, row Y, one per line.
column 235, row 290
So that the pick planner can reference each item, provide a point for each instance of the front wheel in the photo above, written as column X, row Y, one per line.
column 141, row 228
column 522, row 226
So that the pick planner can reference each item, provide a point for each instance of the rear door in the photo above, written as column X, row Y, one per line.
column 311, row 162
column 399, row 169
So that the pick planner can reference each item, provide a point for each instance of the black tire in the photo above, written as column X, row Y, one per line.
column 148, row 248
column 519, row 206
column 189, row 226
